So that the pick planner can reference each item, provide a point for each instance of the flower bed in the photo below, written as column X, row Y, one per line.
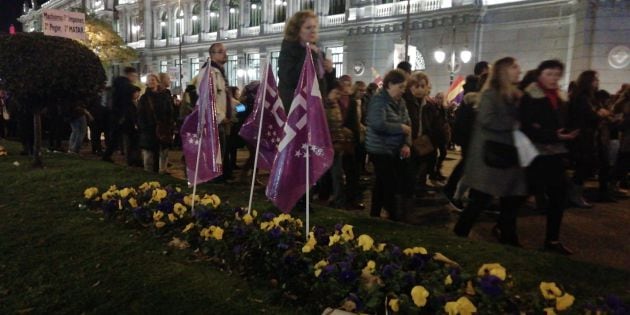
column 330, row 267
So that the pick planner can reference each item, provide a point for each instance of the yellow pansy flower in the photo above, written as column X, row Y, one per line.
column 549, row 311
column 188, row 227
column 217, row 232
column 107, row 195
column 346, row 233
column 369, row 268
column 159, row 224
column 549, row 290
column 158, row 215
column 177, row 189
column 205, row 233
column 133, row 202
column 415, row 250
column 172, row 217
column 448, row 280
column 248, row 219
column 565, row 301
column 334, row 239
column 213, row 200
column 124, row 193
column 419, row 295
column 318, row 267
column 470, row 289
column 365, row 242
column 380, row 247
column 179, row 209
column 188, row 200
column 462, row 306
column 493, row 269
column 310, row 244
column 299, row 223
column 112, row 188
column 394, row 304
column 90, row 193
column 158, row 195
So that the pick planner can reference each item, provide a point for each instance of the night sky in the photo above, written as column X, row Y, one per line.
column 10, row 10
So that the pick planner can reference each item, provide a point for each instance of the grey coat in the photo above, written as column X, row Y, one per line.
column 495, row 121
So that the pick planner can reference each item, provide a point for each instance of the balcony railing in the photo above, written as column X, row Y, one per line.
column 159, row 43
column 136, row 45
column 173, row 41
column 231, row 34
column 251, row 31
column 400, row 8
column 206, row 37
column 276, row 28
column 336, row 19
column 127, row 1
column 189, row 39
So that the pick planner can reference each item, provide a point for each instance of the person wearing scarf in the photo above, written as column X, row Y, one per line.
column 542, row 112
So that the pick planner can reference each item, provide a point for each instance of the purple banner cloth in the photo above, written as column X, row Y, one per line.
column 199, row 133
column 272, row 121
column 305, row 132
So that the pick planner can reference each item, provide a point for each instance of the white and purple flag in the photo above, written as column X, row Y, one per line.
column 273, row 120
column 305, row 133
column 200, row 135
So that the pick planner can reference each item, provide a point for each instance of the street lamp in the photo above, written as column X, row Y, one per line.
column 464, row 56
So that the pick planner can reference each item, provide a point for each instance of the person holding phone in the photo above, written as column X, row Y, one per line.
column 301, row 29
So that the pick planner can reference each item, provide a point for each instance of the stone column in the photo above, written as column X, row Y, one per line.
column 244, row 15
column 148, row 24
column 224, row 19
column 203, row 18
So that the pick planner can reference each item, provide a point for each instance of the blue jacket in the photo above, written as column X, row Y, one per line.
column 384, row 130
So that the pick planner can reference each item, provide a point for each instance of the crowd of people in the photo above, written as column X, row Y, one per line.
column 398, row 132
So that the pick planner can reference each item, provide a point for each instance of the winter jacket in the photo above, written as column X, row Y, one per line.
column 384, row 131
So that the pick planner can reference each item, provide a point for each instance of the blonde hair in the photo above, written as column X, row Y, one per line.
column 292, row 29
column 415, row 78
column 498, row 79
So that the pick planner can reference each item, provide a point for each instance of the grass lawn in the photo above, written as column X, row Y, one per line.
column 56, row 258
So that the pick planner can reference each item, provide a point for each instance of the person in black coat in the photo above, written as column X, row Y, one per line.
column 541, row 115
column 300, row 30
column 122, row 103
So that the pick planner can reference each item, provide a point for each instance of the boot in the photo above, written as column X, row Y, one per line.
column 576, row 198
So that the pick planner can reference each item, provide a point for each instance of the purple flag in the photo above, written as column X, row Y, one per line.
column 305, row 132
column 200, row 136
column 272, row 121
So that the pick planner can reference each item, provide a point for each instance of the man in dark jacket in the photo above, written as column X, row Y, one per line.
column 122, row 103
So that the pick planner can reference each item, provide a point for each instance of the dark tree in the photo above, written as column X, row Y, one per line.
column 42, row 71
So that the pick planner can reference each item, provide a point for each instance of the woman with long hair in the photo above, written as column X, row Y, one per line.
column 388, row 142
column 301, row 30
column 155, row 122
column 489, row 172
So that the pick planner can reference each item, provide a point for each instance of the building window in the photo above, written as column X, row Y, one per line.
column 420, row 64
column 135, row 30
column 279, row 11
column 275, row 55
column 196, row 19
column 308, row 5
column 164, row 26
column 194, row 67
column 179, row 22
column 233, row 15
column 214, row 17
column 337, row 59
column 253, row 66
column 163, row 66
column 231, row 67
column 255, row 13
column 337, row 7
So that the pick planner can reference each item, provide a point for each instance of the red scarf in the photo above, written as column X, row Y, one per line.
column 552, row 95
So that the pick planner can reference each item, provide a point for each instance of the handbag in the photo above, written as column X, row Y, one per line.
column 499, row 155
column 422, row 145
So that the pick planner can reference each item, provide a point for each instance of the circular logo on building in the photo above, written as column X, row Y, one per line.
column 619, row 57
column 358, row 68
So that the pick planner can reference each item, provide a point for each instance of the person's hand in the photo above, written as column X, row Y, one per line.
column 333, row 95
column 602, row 112
column 405, row 152
column 564, row 135
column 406, row 129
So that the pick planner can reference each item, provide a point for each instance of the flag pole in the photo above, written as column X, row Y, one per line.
column 260, row 125
column 308, row 160
column 200, row 126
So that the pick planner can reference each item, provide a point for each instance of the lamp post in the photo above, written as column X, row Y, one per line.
column 180, row 21
column 464, row 55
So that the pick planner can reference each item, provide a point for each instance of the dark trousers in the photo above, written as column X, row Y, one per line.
column 387, row 173
column 441, row 156
column 113, row 139
column 548, row 171
column 507, row 217
column 456, row 175
column 56, row 127
column 352, row 170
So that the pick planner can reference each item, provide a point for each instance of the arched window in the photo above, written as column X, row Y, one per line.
column 196, row 19
column 213, row 25
column 233, row 15
column 279, row 11
column 135, row 30
column 337, row 7
column 255, row 12
column 179, row 22
column 164, row 25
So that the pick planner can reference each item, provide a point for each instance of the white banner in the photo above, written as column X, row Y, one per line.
column 63, row 24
